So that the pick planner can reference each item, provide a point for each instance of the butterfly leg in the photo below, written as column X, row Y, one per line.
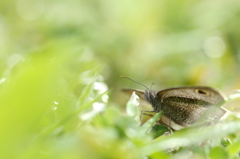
column 170, row 120
column 170, row 131
column 145, row 115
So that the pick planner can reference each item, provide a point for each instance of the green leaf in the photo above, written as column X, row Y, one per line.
column 218, row 153
column 132, row 106
column 147, row 126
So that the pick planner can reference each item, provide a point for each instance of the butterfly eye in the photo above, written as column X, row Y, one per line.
column 200, row 91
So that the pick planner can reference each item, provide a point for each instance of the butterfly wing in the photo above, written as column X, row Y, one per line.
column 185, row 105
column 139, row 93
column 206, row 95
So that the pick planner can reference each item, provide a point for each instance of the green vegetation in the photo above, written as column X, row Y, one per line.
column 60, row 62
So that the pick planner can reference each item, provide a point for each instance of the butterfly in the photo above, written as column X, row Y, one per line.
column 183, row 106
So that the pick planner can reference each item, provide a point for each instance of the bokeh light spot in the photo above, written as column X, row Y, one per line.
column 214, row 47
column 101, row 87
column 2, row 80
column 99, row 106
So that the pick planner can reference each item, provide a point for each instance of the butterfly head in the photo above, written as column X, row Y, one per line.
column 149, row 96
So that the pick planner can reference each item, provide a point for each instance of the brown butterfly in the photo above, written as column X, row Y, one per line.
column 183, row 106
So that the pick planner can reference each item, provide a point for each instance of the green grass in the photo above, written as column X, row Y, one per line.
column 51, row 110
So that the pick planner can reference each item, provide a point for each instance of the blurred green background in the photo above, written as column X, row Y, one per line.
column 52, row 52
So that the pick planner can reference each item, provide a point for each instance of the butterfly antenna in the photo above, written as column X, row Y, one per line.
column 152, row 85
column 136, row 82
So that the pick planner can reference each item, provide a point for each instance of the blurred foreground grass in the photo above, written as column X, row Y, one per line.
column 55, row 105
column 60, row 61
